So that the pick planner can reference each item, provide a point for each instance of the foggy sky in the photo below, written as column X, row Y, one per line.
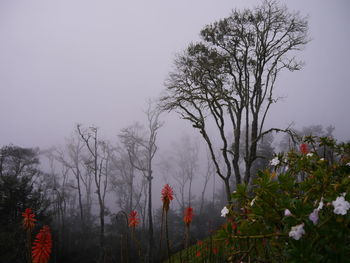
column 96, row 62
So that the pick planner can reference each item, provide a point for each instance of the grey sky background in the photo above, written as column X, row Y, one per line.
column 96, row 62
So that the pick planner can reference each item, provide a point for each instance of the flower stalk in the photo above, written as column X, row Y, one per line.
column 28, row 224
column 133, row 222
column 188, row 215
column 167, row 197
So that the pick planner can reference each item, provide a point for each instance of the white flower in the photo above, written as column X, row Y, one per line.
column 297, row 231
column 314, row 216
column 287, row 212
column 340, row 206
column 309, row 155
column 322, row 159
column 224, row 211
column 348, row 164
column 274, row 161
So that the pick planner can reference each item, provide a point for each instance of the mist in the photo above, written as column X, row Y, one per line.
column 69, row 64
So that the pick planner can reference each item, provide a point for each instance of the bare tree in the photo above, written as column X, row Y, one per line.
column 99, row 164
column 127, row 189
column 227, row 81
column 73, row 158
column 141, row 147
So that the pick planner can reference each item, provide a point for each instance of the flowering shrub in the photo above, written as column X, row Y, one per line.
column 296, row 211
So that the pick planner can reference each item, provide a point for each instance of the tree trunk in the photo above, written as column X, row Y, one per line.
column 80, row 201
column 252, row 151
column 150, row 221
column 228, row 191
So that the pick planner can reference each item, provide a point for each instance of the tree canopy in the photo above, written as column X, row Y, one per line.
column 228, row 79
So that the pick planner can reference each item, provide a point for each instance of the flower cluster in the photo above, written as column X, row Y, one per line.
column 28, row 219
column 42, row 246
column 133, row 219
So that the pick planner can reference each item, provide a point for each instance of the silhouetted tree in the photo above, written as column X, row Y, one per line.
column 20, row 188
column 99, row 165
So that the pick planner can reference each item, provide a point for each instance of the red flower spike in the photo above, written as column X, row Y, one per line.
column 198, row 254
column 188, row 215
column 167, row 196
column 28, row 219
column 215, row 250
column 42, row 246
column 304, row 149
column 133, row 220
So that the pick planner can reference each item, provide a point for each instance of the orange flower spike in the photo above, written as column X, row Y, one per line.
column 133, row 220
column 167, row 196
column 188, row 215
column 28, row 219
column 42, row 246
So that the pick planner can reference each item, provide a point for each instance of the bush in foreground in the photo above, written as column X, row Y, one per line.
column 297, row 211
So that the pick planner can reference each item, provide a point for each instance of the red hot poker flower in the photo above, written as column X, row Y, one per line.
column 28, row 219
column 167, row 196
column 188, row 215
column 42, row 246
column 133, row 220
column 304, row 149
